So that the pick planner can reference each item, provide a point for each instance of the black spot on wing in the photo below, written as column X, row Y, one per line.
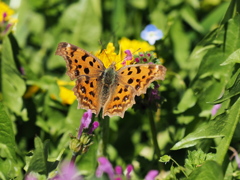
column 130, row 81
column 84, row 57
column 138, row 69
column 86, row 70
column 91, row 63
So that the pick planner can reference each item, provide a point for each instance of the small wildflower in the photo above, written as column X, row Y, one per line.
column 146, row 57
column 66, row 95
column 106, row 167
column 80, row 144
column 154, row 94
column 85, row 122
column 151, row 34
column 6, row 21
column 129, row 170
column 215, row 109
column 6, row 12
column 118, row 170
column 137, row 60
column 151, row 175
column 134, row 45
column 128, row 57
column 235, row 154
column 68, row 171
column 31, row 176
column 93, row 127
column 31, row 91
column 108, row 56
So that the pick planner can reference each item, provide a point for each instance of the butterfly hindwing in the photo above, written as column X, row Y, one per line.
column 121, row 98
column 88, row 92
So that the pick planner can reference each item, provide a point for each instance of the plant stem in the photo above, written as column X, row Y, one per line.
column 154, row 138
column 105, row 136
column 74, row 157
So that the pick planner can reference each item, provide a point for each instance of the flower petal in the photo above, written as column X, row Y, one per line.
column 85, row 121
column 151, row 175
column 105, row 167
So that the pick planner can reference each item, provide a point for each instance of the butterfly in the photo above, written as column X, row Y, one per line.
column 98, row 87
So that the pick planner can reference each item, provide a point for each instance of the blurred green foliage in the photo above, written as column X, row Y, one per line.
column 200, row 49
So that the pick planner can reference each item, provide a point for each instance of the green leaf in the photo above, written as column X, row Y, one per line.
column 8, row 167
column 181, row 50
column 7, row 139
column 189, row 15
column 232, row 91
column 196, row 159
column 13, row 85
column 38, row 162
column 233, row 58
column 208, row 171
column 207, row 130
column 229, row 122
column 188, row 101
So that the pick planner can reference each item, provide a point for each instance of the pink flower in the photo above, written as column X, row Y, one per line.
column 154, row 94
column 68, row 171
column 151, row 175
column 137, row 60
column 129, row 55
column 31, row 176
column 85, row 122
column 129, row 170
column 215, row 109
column 93, row 127
column 106, row 167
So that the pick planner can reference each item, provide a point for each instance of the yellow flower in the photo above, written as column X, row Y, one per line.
column 109, row 56
column 5, row 12
column 135, row 46
column 67, row 96
column 31, row 91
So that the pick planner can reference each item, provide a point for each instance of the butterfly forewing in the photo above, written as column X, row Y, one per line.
column 78, row 61
column 139, row 76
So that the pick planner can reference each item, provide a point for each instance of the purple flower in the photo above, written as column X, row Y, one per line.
column 4, row 16
column 128, row 57
column 154, row 94
column 151, row 33
column 105, row 167
column 85, row 121
column 68, row 171
column 151, row 175
column 129, row 170
column 30, row 176
column 137, row 60
column 215, row 109
column 118, row 170
column 93, row 127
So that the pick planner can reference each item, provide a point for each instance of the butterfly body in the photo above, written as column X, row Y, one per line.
column 98, row 87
